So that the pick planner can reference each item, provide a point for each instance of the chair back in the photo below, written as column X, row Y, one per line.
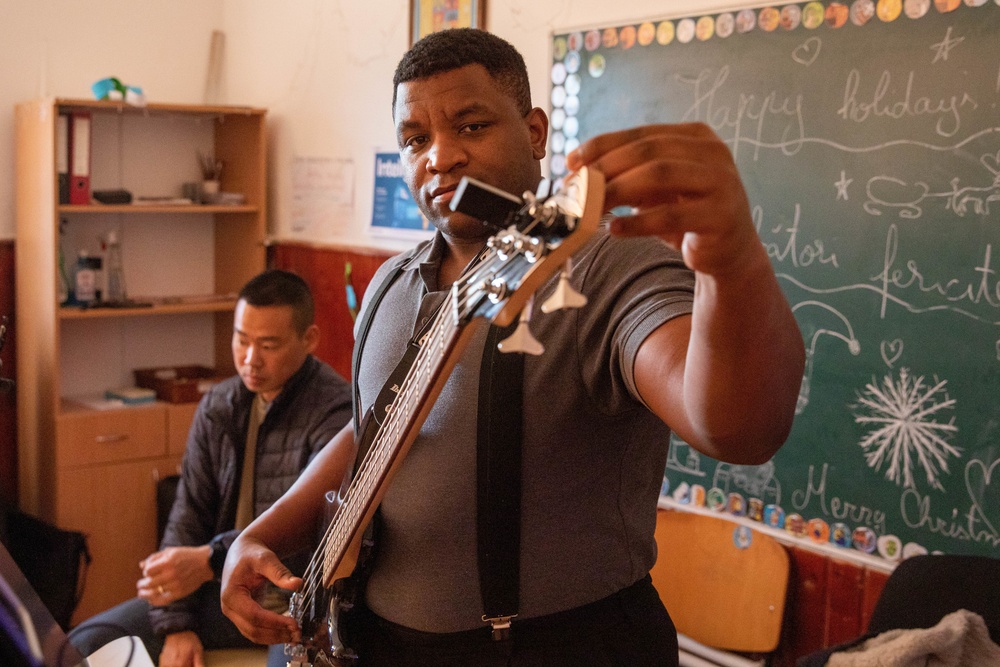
column 723, row 583
column 924, row 589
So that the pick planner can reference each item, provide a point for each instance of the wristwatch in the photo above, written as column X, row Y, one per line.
column 218, row 557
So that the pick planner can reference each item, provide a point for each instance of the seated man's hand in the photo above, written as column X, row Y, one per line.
column 249, row 564
column 174, row 573
column 182, row 649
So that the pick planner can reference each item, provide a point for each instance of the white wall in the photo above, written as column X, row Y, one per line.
column 57, row 48
column 323, row 68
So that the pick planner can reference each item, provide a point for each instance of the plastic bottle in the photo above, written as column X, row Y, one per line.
column 86, row 278
column 114, row 274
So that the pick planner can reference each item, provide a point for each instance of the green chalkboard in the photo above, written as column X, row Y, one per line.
column 868, row 138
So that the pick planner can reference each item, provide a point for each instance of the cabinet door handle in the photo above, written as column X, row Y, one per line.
column 110, row 438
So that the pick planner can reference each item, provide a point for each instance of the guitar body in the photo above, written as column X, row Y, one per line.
column 540, row 237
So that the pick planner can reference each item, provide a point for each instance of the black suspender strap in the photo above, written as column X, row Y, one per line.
column 498, row 455
column 359, row 343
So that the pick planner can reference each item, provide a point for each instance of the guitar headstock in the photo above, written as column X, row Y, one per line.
column 540, row 231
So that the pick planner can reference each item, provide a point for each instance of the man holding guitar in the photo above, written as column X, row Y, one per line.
column 684, row 329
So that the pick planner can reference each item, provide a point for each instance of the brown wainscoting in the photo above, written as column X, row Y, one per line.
column 830, row 602
column 8, row 401
column 323, row 268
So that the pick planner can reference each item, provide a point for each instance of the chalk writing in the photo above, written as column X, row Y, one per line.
column 838, row 508
column 974, row 525
column 947, row 109
column 789, row 249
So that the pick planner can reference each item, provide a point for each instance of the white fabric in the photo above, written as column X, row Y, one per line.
column 114, row 654
column 960, row 639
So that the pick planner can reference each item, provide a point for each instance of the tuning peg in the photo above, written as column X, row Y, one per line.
column 522, row 339
column 564, row 296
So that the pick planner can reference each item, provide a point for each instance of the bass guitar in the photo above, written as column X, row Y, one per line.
column 538, row 234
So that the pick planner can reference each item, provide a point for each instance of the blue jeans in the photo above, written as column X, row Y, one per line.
column 132, row 618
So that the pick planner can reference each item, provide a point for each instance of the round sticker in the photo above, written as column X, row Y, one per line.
column 571, row 144
column 916, row 9
column 819, row 531
column 768, row 19
column 559, row 48
column 558, row 166
column 572, row 62
column 791, row 16
column 716, row 499
column 665, row 33
column 755, row 509
column 812, row 15
column 864, row 539
column 573, row 84
column 736, row 506
column 571, row 127
column 725, row 24
column 685, row 30
column 557, row 118
column 890, row 547
column 558, row 96
column 697, row 495
column 836, row 14
column 746, row 20
column 862, row 11
column 558, row 74
column 945, row 6
column 911, row 549
column 889, row 10
column 593, row 40
column 796, row 525
column 574, row 41
column 627, row 37
column 596, row 65
column 840, row 534
column 742, row 537
column 647, row 32
column 609, row 38
column 558, row 143
column 774, row 516
column 705, row 28
column 572, row 105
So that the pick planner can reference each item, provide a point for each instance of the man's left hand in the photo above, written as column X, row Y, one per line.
column 683, row 186
column 174, row 573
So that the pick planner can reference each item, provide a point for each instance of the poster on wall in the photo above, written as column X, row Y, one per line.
column 394, row 212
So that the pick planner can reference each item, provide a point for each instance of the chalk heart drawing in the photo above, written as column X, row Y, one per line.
column 991, row 162
column 986, row 498
column 807, row 52
column 998, row 350
column 891, row 351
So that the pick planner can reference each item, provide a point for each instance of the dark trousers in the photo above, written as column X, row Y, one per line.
column 629, row 629
column 132, row 618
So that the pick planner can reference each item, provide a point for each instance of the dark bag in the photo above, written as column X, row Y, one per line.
column 53, row 560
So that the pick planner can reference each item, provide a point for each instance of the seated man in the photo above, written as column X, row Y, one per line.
column 284, row 406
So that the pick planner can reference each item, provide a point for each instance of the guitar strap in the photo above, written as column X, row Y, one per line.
column 498, row 456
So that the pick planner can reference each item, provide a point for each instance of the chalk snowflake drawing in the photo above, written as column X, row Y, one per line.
column 907, row 427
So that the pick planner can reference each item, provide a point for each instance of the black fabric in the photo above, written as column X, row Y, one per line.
column 498, row 488
column 359, row 344
column 630, row 628
column 924, row 589
column 166, row 492
column 53, row 560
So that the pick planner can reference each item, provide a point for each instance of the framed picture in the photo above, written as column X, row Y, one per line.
column 427, row 16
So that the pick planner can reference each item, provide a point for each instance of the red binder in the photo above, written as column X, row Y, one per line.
column 79, row 157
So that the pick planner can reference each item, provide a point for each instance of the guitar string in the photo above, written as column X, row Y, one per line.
column 337, row 529
column 336, row 532
column 363, row 483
